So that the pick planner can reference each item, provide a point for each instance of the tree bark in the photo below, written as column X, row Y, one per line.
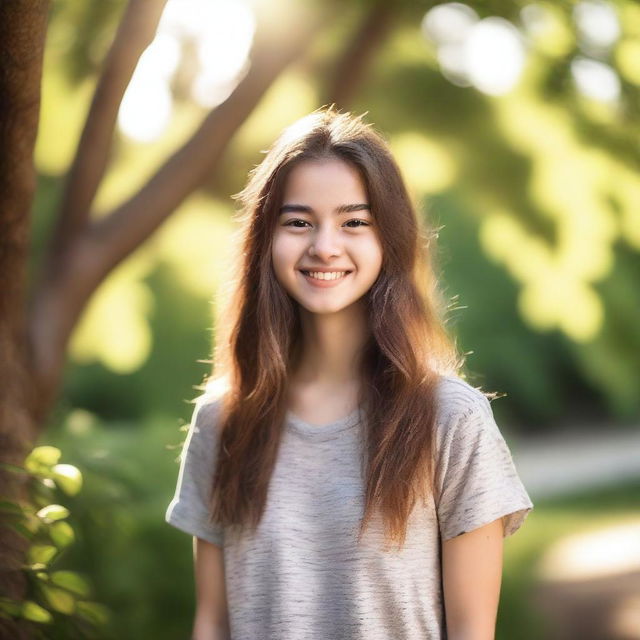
column 22, row 35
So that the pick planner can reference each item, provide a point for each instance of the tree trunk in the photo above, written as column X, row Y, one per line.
column 22, row 36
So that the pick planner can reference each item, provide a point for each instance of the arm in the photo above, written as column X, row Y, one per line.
column 472, row 573
column 211, row 620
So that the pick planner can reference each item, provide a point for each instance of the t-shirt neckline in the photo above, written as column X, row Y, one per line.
column 320, row 431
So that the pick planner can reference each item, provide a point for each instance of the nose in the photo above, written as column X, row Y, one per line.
column 325, row 243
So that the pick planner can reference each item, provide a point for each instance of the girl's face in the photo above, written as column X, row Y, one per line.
column 325, row 225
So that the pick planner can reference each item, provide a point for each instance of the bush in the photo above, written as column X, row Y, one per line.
column 57, row 600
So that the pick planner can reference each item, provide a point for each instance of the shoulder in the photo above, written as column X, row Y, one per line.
column 462, row 409
column 210, row 400
column 455, row 397
column 206, row 404
column 206, row 414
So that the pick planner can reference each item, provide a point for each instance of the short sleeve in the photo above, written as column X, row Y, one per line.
column 189, row 509
column 476, row 478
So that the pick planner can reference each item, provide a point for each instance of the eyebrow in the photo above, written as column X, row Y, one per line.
column 343, row 208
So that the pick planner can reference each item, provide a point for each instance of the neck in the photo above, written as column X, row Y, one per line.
column 332, row 345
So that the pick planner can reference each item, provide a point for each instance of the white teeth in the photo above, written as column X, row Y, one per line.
column 331, row 275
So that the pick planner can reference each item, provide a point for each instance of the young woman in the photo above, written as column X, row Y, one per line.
column 340, row 478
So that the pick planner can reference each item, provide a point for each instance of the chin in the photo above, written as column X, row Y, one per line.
column 316, row 308
column 329, row 308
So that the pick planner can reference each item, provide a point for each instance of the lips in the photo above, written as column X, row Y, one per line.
column 321, row 270
column 315, row 282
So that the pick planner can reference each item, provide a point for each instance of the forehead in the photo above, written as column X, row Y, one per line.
column 326, row 180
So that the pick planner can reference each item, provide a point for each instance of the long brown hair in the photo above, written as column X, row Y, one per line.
column 258, row 336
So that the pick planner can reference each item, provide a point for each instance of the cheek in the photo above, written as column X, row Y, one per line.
column 283, row 254
column 373, row 252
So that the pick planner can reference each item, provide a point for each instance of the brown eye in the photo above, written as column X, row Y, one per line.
column 366, row 224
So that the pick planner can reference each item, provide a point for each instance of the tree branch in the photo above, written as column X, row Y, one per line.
column 135, row 32
column 351, row 66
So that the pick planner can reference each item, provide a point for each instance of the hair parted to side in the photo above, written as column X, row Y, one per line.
column 258, row 337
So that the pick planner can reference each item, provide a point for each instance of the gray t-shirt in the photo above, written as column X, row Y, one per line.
column 302, row 576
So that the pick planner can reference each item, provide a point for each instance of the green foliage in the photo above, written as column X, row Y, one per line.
column 618, row 376
column 84, row 46
column 485, row 301
column 58, row 600
column 140, row 566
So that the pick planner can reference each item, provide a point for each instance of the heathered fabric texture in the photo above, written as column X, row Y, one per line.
column 302, row 576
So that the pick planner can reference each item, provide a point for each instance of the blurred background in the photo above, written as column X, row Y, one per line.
column 516, row 125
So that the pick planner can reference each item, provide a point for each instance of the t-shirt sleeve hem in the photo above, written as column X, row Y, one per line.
column 513, row 521
column 514, row 515
column 194, row 527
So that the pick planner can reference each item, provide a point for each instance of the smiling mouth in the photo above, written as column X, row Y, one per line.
column 322, row 277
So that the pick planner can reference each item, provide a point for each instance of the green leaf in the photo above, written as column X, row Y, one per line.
column 68, row 478
column 33, row 611
column 62, row 534
column 41, row 553
column 59, row 599
column 53, row 512
column 93, row 612
column 72, row 581
column 41, row 459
